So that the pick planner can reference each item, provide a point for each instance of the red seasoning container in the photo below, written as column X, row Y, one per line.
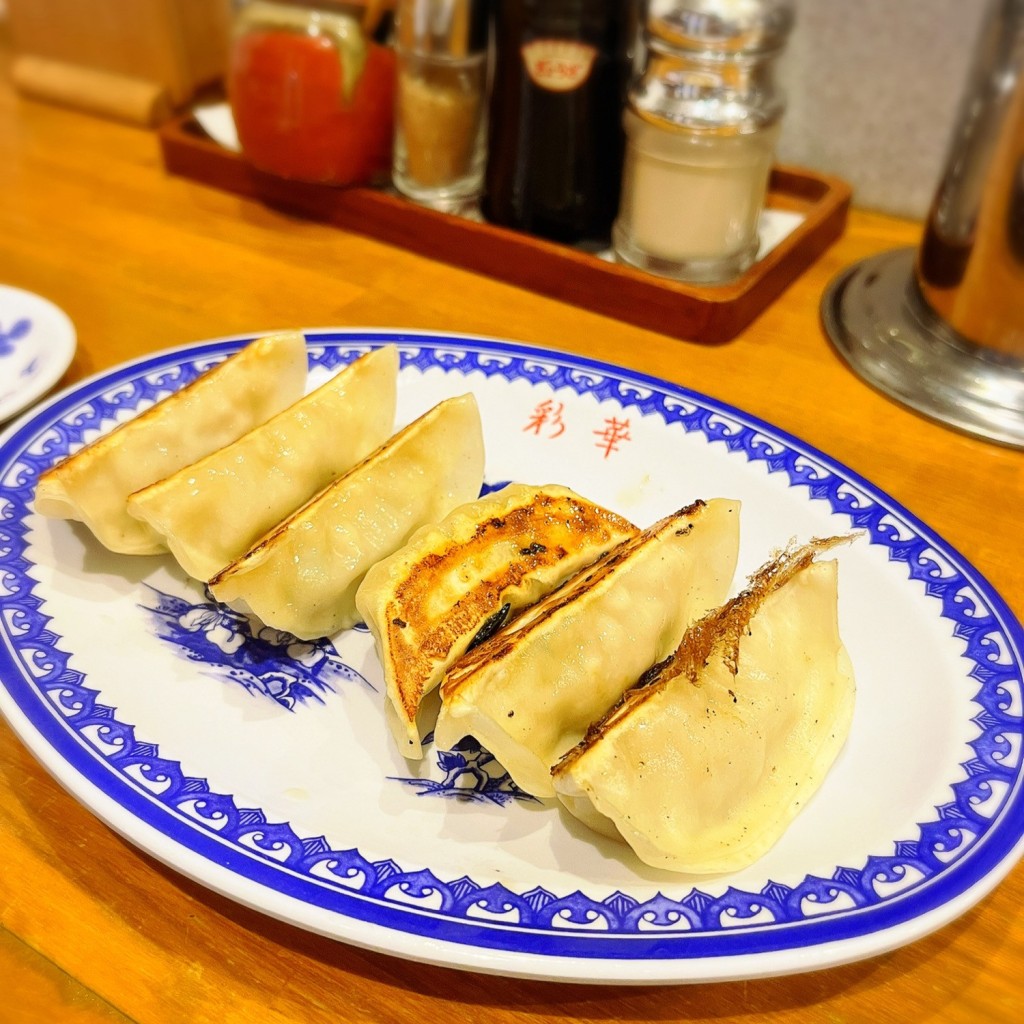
column 312, row 91
column 555, row 141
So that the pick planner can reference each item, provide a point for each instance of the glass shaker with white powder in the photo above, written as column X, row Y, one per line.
column 701, row 124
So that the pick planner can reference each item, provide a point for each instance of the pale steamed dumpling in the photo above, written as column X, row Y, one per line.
column 478, row 568
column 529, row 694
column 245, row 390
column 211, row 512
column 302, row 576
column 703, row 766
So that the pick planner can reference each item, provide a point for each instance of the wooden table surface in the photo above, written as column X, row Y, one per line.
column 94, row 930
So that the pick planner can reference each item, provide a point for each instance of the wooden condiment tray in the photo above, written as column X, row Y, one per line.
column 687, row 311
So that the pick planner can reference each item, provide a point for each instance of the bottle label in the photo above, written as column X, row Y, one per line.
column 558, row 65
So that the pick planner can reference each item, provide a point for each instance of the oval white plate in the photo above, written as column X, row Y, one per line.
column 37, row 343
column 262, row 767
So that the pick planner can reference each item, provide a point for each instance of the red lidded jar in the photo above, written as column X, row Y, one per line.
column 312, row 92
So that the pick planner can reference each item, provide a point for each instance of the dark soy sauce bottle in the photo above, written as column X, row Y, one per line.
column 555, row 139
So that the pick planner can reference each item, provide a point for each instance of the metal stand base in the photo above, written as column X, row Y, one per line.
column 879, row 324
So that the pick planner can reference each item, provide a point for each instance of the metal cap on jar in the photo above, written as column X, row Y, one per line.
column 453, row 28
column 724, row 27
column 708, row 66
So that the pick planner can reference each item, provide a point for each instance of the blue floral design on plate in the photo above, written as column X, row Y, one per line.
column 266, row 662
column 21, row 328
column 965, row 840
column 470, row 773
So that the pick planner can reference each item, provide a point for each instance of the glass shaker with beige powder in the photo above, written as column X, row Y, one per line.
column 701, row 125
column 440, row 103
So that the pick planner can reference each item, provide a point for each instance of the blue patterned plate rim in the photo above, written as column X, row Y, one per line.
column 552, row 943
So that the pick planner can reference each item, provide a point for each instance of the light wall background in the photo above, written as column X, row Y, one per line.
column 874, row 88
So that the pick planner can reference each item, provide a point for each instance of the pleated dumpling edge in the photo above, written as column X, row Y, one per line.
column 702, row 766
column 460, row 580
column 246, row 389
column 212, row 511
column 302, row 576
column 530, row 693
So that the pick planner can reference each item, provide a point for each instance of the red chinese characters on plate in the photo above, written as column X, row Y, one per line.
column 546, row 420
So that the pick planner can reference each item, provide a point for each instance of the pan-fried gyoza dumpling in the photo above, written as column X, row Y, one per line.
column 302, row 576
column 706, row 761
column 529, row 694
column 92, row 486
column 213, row 511
column 468, row 575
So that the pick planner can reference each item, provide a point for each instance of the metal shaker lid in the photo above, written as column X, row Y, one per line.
column 708, row 66
column 452, row 28
column 724, row 27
